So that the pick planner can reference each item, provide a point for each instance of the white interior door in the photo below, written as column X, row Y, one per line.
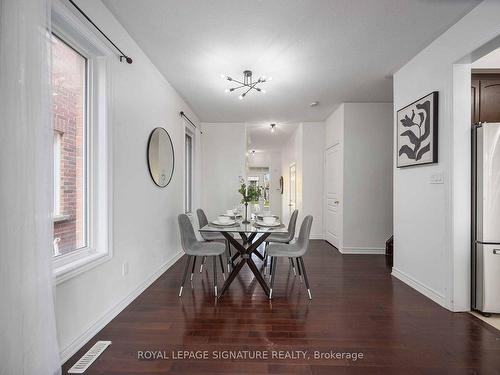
column 332, row 201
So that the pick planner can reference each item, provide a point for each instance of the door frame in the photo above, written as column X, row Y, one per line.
column 294, row 165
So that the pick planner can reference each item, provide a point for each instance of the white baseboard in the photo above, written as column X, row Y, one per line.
column 419, row 287
column 100, row 323
column 362, row 250
column 316, row 237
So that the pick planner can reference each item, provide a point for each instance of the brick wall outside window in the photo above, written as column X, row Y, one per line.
column 68, row 106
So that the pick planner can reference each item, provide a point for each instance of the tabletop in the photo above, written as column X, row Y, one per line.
column 239, row 227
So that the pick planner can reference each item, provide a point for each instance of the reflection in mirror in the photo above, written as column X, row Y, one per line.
column 160, row 157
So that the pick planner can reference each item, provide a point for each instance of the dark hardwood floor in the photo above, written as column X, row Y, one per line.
column 357, row 307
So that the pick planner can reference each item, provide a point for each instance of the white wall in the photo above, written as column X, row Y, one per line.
column 313, row 140
column 364, row 132
column 432, row 222
column 145, row 217
column 223, row 153
column 305, row 149
column 334, row 126
column 367, row 176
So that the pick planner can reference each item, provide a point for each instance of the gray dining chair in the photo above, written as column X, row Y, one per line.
column 294, row 250
column 283, row 238
column 194, row 248
column 212, row 236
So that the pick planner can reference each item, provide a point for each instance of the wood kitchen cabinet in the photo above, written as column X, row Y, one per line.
column 485, row 98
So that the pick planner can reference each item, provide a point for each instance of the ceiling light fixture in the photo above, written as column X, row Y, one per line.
column 273, row 128
column 248, row 84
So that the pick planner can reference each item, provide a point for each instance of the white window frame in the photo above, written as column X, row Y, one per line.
column 189, row 194
column 68, row 26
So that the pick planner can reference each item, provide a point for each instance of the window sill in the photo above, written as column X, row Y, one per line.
column 61, row 218
column 69, row 270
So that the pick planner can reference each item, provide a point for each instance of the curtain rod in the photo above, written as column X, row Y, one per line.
column 122, row 56
column 187, row 118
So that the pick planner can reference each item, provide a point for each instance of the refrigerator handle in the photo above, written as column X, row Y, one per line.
column 496, row 251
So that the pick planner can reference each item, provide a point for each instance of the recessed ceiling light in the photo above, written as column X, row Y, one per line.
column 313, row 104
column 273, row 128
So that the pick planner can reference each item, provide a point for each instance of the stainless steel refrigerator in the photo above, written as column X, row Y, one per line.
column 486, row 217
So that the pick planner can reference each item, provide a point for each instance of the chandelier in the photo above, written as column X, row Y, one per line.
column 248, row 83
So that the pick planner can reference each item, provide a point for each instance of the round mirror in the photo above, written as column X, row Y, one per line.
column 160, row 157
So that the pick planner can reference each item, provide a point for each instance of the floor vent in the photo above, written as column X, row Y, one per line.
column 89, row 357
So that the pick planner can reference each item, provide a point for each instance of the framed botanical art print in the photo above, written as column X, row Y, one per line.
column 417, row 127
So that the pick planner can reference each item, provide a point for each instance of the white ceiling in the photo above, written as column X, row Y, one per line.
column 260, row 138
column 330, row 51
column 490, row 61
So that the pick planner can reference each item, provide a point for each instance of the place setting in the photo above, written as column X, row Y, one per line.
column 268, row 221
column 233, row 214
column 225, row 220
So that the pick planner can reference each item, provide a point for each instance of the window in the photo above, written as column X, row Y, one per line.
column 69, row 90
column 188, row 172
column 82, row 199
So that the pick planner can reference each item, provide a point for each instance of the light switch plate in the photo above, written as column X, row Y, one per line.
column 437, row 178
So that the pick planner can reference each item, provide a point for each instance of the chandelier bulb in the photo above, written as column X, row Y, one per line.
column 241, row 97
column 262, row 91
column 227, row 91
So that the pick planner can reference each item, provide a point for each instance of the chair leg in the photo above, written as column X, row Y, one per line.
column 305, row 276
column 222, row 266
column 265, row 258
column 215, row 275
column 273, row 273
column 202, row 263
column 293, row 267
column 185, row 274
column 229, row 256
column 192, row 269
column 271, row 263
column 299, row 271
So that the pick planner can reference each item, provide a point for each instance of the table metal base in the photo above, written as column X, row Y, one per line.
column 245, row 251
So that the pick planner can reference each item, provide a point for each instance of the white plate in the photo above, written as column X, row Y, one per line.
column 224, row 224
column 262, row 224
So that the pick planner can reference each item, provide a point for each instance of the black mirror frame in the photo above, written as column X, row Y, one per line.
column 173, row 156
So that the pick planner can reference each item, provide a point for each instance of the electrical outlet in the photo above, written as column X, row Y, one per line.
column 125, row 269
